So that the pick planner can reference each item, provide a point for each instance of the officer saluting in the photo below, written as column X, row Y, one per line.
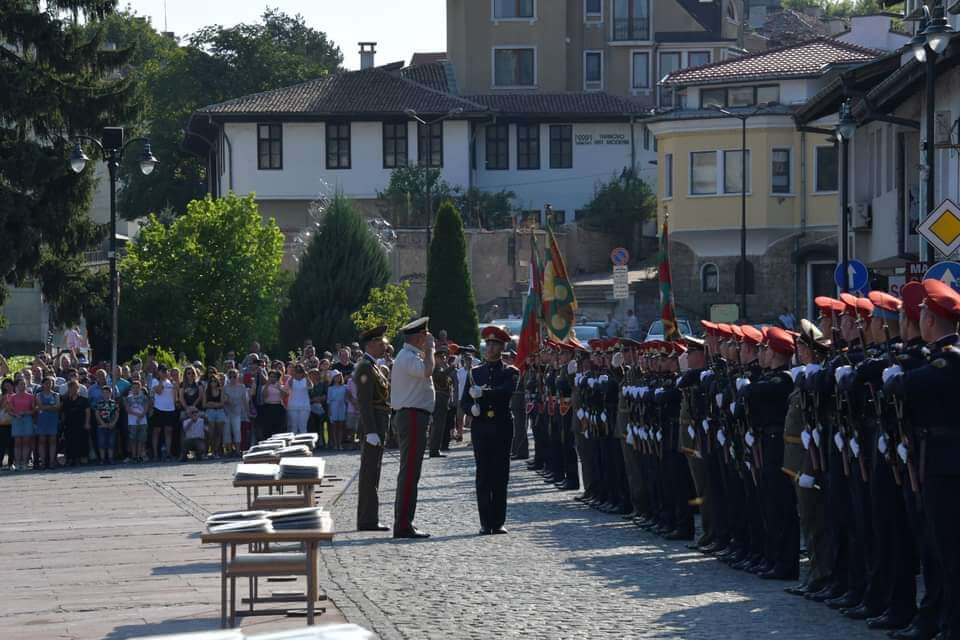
column 486, row 402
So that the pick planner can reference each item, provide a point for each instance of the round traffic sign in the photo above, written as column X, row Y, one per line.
column 946, row 271
column 620, row 256
column 856, row 278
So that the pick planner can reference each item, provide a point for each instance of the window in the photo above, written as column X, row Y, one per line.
column 744, row 274
column 592, row 70
column 669, row 62
column 703, row 173
column 561, row 146
column 498, row 156
column 668, row 175
column 828, row 169
column 593, row 10
column 713, row 98
column 733, row 171
column 641, row 70
column 631, row 20
column 780, row 171
column 768, row 93
column 512, row 9
column 430, row 145
column 741, row 97
column 269, row 146
column 338, row 145
column 394, row 145
column 513, row 68
column 698, row 58
column 528, row 146
column 709, row 278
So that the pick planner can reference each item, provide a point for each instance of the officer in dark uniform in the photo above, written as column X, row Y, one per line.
column 568, row 450
column 486, row 400
column 441, row 384
column 373, row 402
column 520, row 450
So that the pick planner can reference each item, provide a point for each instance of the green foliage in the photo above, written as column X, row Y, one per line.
column 56, row 83
column 160, row 355
column 206, row 283
column 388, row 306
column 449, row 299
column 620, row 204
column 19, row 363
column 837, row 8
column 217, row 63
column 342, row 263
column 486, row 210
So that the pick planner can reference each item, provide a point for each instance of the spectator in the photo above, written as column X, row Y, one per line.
column 236, row 401
column 107, row 414
column 353, row 412
column 194, row 432
column 213, row 401
column 343, row 364
column 787, row 320
column 75, row 409
column 298, row 402
column 21, row 407
column 613, row 328
column 318, row 398
column 6, row 420
column 136, row 404
column 271, row 410
column 632, row 326
column 189, row 391
column 337, row 407
column 164, row 413
column 47, row 406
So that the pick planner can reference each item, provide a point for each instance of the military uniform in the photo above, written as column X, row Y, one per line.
column 438, row 422
column 373, row 402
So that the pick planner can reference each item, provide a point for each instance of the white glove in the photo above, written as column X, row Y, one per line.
column 882, row 444
column 629, row 437
column 719, row 400
column 854, row 447
column 373, row 439
column 816, row 436
column 603, row 416
column 577, row 378
column 742, row 382
column 572, row 367
column 580, row 414
column 721, row 438
column 838, row 440
column 705, row 374
column 842, row 373
column 902, row 452
column 475, row 411
column 805, row 437
column 891, row 372
column 706, row 425
column 659, row 436
column 733, row 408
column 691, row 432
column 476, row 392
column 749, row 439
column 805, row 481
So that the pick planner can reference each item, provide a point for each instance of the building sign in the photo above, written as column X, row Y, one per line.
column 594, row 139
column 915, row 270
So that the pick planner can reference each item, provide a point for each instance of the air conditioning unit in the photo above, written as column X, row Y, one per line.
column 862, row 216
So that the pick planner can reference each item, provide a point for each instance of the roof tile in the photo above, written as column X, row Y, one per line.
column 558, row 103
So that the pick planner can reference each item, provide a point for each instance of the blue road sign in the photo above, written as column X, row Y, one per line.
column 947, row 271
column 858, row 276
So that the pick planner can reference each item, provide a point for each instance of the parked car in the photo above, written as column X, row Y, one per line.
column 655, row 332
column 586, row 332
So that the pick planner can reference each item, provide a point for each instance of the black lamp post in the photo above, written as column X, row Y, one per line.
column 111, row 149
column 743, row 116
column 846, row 129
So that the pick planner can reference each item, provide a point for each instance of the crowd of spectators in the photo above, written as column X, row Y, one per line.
column 60, row 411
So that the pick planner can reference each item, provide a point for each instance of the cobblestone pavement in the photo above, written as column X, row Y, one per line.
column 564, row 571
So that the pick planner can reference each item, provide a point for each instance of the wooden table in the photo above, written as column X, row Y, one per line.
column 307, row 485
column 231, row 567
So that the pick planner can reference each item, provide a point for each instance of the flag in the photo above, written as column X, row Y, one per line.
column 667, row 314
column 529, row 341
column 559, row 303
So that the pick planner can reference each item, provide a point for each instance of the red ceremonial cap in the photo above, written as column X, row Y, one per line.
column 576, row 344
column 912, row 295
column 495, row 334
column 827, row 304
column 751, row 334
column 596, row 344
column 857, row 306
column 780, row 341
column 941, row 299
column 709, row 327
column 885, row 301
column 737, row 331
column 678, row 348
column 453, row 347
column 724, row 330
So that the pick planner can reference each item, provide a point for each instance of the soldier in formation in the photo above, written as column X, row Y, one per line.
column 842, row 435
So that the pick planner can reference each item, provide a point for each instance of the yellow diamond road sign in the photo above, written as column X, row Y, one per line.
column 942, row 227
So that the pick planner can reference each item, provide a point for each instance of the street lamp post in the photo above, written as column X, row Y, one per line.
column 111, row 148
column 846, row 128
column 743, row 116
column 426, row 176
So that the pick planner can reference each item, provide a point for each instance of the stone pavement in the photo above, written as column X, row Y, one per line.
column 113, row 553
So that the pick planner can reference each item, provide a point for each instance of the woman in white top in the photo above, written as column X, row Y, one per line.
column 164, row 395
column 298, row 402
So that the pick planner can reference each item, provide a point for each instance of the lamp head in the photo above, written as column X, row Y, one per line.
column 938, row 32
column 847, row 126
column 78, row 159
column 148, row 162
column 918, row 45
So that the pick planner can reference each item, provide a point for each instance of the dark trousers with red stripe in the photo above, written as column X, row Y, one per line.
column 411, row 427
column 491, row 451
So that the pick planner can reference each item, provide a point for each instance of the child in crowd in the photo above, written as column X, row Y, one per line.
column 20, row 406
column 337, row 405
column 194, row 434
column 107, row 414
column 136, row 403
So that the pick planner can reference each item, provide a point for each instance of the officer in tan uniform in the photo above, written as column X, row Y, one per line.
column 373, row 401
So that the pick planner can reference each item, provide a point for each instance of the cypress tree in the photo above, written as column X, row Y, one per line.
column 342, row 263
column 449, row 300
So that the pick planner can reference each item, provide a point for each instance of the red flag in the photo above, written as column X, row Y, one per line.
column 667, row 313
column 529, row 341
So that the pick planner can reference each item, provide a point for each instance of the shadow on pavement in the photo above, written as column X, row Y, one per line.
column 176, row 625
column 183, row 569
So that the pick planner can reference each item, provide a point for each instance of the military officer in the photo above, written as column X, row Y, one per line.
column 373, row 401
column 486, row 400
column 520, row 450
column 441, row 384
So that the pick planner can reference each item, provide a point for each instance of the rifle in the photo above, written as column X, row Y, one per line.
column 838, row 401
column 901, row 429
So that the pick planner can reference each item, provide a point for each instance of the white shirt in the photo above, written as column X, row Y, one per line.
column 165, row 401
column 410, row 386
column 299, row 394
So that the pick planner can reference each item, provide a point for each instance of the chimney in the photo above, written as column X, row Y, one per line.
column 367, row 52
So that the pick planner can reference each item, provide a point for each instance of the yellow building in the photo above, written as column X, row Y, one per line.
column 791, row 202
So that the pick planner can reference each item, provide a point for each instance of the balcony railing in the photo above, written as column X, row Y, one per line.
column 631, row 29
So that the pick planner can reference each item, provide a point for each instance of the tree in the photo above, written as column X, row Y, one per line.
column 836, row 8
column 449, row 300
column 218, row 63
column 341, row 265
column 484, row 210
column 385, row 306
column 208, row 282
column 620, row 206
column 57, row 83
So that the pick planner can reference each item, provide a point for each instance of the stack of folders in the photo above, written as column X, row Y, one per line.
column 295, row 450
column 309, row 467
column 236, row 521
column 303, row 518
column 267, row 445
column 260, row 456
column 309, row 439
column 247, row 471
